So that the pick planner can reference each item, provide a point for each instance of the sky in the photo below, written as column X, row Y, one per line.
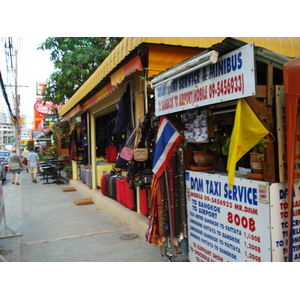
column 33, row 66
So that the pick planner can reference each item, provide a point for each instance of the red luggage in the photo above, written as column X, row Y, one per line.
column 111, row 154
column 103, row 183
column 123, row 199
column 144, row 201
column 120, row 193
column 129, row 195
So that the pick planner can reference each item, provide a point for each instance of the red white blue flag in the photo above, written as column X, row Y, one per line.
column 168, row 138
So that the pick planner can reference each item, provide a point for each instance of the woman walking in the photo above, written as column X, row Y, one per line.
column 15, row 166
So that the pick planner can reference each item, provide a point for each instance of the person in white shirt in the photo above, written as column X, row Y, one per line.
column 33, row 162
column 24, row 155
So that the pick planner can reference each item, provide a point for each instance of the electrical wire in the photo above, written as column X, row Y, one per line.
column 8, row 93
column 5, row 97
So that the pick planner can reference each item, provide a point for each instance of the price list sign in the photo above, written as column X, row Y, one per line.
column 279, row 222
column 227, row 225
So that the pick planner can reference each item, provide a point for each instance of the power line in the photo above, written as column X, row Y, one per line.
column 9, row 54
column 5, row 97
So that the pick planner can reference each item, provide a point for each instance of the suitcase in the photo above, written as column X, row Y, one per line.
column 101, row 170
column 83, row 175
column 144, row 201
column 123, row 182
column 129, row 195
column 103, row 183
column 112, row 189
column 111, row 154
column 88, row 177
column 107, row 184
column 119, row 187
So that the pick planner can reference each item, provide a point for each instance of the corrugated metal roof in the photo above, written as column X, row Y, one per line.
column 287, row 46
column 261, row 54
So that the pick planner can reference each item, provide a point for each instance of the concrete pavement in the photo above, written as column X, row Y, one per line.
column 53, row 228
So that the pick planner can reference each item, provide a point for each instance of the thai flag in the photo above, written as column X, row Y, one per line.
column 168, row 138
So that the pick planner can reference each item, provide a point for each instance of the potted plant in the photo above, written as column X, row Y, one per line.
column 68, row 171
column 220, row 145
column 257, row 156
column 206, row 154
column 203, row 157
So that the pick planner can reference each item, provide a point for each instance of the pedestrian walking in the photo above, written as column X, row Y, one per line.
column 15, row 166
column 33, row 163
column 24, row 155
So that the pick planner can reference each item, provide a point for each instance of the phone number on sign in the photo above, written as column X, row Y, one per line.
column 227, row 86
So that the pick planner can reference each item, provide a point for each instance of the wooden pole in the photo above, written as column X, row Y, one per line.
column 17, row 120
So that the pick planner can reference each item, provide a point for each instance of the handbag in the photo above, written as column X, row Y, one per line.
column 126, row 152
column 140, row 153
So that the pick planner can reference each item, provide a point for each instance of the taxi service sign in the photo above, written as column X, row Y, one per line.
column 232, row 77
column 227, row 225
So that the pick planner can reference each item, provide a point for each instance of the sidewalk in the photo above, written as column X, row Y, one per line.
column 53, row 228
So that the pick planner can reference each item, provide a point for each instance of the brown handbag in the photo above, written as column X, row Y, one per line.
column 140, row 153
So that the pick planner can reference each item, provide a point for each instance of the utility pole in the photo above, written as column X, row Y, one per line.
column 17, row 120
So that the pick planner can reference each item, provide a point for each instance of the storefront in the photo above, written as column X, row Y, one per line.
column 108, row 107
column 93, row 111
column 239, row 215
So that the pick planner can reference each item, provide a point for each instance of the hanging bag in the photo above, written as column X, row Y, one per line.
column 140, row 153
column 127, row 152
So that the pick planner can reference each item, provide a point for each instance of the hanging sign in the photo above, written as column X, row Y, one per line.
column 279, row 222
column 24, row 137
column 231, row 77
column 46, row 107
column 227, row 225
column 40, row 86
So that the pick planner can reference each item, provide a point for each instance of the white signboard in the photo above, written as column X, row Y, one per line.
column 232, row 77
column 40, row 86
column 24, row 137
column 227, row 225
column 279, row 222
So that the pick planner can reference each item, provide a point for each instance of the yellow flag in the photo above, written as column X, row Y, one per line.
column 247, row 132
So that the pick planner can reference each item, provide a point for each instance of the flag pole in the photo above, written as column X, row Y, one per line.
column 170, row 215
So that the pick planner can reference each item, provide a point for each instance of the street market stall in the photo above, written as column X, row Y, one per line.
column 199, row 94
column 235, row 214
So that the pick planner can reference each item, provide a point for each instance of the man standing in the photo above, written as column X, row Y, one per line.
column 24, row 157
column 15, row 166
column 33, row 162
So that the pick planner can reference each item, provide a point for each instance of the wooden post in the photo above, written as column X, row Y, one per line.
column 270, row 87
column 267, row 120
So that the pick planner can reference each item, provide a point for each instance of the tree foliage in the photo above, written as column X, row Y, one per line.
column 75, row 59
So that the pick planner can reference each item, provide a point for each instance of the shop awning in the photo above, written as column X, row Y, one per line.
column 133, row 65
column 286, row 46
column 44, row 135
column 291, row 75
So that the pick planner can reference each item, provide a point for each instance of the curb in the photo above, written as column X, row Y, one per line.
column 138, row 223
